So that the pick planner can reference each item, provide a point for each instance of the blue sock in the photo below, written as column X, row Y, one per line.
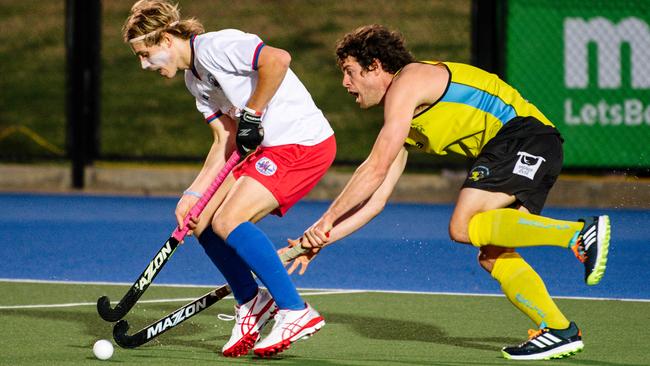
column 235, row 271
column 255, row 248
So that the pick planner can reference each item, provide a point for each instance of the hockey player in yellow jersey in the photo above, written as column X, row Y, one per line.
column 446, row 107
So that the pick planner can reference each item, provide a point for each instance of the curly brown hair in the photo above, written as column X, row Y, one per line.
column 372, row 42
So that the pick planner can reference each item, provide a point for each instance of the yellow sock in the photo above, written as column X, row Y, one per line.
column 506, row 227
column 525, row 289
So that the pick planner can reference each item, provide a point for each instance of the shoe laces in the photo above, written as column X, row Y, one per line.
column 238, row 314
column 280, row 315
column 579, row 250
column 244, row 314
column 534, row 333
column 279, row 318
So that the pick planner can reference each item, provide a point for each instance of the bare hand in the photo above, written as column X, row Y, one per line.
column 301, row 261
column 318, row 234
column 185, row 203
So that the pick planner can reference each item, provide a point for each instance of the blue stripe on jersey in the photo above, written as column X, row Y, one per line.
column 256, row 55
column 479, row 99
column 193, row 68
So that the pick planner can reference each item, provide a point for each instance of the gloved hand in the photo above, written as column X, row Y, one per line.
column 249, row 131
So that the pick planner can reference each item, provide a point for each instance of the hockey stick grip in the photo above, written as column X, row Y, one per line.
column 293, row 253
column 179, row 233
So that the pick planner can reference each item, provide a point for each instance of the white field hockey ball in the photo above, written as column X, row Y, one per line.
column 103, row 349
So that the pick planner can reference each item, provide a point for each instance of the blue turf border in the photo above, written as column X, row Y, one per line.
column 110, row 238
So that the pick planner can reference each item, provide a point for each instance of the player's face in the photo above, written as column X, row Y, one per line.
column 364, row 85
column 157, row 58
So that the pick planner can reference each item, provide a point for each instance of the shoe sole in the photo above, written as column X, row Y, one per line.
column 243, row 346
column 604, row 233
column 561, row 352
column 305, row 333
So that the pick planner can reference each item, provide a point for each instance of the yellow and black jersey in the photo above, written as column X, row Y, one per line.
column 473, row 108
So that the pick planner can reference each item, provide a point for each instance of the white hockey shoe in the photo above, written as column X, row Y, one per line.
column 290, row 326
column 250, row 319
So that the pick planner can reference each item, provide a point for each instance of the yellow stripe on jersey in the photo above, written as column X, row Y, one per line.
column 474, row 107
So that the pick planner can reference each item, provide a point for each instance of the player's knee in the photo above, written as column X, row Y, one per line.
column 458, row 232
column 486, row 262
column 488, row 255
column 224, row 225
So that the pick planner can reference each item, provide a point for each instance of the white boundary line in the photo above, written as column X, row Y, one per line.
column 320, row 291
column 93, row 283
column 76, row 304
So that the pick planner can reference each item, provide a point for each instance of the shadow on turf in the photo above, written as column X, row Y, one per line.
column 96, row 328
column 401, row 330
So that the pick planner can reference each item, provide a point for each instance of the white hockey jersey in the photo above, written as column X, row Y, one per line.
column 223, row 75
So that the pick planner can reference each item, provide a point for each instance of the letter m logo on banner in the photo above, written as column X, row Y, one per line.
column 608, row 38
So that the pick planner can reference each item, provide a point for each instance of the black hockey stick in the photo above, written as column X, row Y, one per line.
column 160, row 259
column 181, row 314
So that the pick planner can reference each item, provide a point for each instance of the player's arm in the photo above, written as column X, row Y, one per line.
column 272, row 65
column 366, row 211
column 407, row 92
column 223, row 145
column 355, row 218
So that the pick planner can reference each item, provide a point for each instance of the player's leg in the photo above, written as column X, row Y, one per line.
column 523, row 287
column 526, row 290
column 247, row 202
column 524, row 228
column 234, row 270
column 555, row 336
column 248, row 250
column 525, row 168
column 272, row 180
column 254, row 306
column 299, row 168
column 519, row 282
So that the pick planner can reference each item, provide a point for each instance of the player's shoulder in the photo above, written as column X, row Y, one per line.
column 220, row 35
column 422, row 72
column 221, row 38
column 214, row 45
column 426, row 68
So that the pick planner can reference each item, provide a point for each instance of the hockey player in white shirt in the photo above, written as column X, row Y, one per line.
column 253, row 102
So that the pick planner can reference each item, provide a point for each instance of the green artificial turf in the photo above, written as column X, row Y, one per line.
column 367, row 328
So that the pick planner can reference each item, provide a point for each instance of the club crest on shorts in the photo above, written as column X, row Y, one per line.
column 478, row 173
column 527, row 164
column 266, row 166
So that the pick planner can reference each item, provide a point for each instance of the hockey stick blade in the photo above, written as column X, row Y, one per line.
column 181, row 314
column 159, row 327
column 138, row 288
column 160, row 259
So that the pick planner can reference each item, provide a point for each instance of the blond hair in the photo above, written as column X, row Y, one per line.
column 150, row 19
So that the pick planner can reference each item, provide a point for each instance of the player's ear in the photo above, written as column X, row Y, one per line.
column 166, row 40
column 375, row 65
